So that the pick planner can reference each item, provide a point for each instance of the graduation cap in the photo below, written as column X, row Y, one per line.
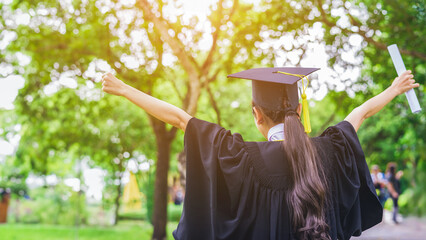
column 272, row 86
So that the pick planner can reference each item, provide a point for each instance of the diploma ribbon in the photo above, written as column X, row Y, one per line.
column 305, row 108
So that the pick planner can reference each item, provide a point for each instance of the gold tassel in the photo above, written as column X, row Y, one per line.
column 306, row 119
column 305, row 105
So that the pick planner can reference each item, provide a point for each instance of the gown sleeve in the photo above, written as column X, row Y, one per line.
column 354, row 199
column 214, row 171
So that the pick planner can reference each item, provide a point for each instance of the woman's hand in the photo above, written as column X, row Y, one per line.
column 404, row 83
column 399, row 174
column 161, row 110
column 400, row 85
column 113, row 85
column 395, row 195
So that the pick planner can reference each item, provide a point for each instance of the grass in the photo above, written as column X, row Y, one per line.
column 127, row 230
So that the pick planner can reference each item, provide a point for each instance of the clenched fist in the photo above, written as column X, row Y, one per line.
column 112, row 85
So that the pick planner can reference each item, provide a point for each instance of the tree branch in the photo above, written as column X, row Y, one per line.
column 176, row 46
column 210, row 79
column 332, row 117
column 216, row 25
column 176, row 89
column 363, row 34
column 169, row 26
column 171, row 133
column 209, row 59
column 214, row 105
column 179, row 51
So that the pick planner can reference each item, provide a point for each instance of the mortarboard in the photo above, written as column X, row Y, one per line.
column 272, row 86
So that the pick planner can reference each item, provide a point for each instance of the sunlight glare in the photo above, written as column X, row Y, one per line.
column 197, row 8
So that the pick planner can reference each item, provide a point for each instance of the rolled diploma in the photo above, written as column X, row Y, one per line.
column 400, row 68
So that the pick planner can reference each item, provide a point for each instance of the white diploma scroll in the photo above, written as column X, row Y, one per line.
column 400, row 68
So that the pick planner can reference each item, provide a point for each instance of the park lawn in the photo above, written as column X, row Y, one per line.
column 135, row 230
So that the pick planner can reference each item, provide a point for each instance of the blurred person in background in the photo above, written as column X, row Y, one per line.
column 380, row 182
column 177, row 192
column 394, row 187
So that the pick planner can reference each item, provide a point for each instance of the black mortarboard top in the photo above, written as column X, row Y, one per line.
column 271, row 86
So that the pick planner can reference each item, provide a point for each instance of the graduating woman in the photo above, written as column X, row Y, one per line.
column 289, row 187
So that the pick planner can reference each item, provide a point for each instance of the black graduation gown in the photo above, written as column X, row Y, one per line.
column 236, row 189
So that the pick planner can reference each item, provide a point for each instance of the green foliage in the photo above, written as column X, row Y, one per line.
column 125, row 230
column 71, row 123
column 12, row 181
column 416, row 203
column 174, row 212
column 395, row 134
column 135, row 215
column 405, row 202
column 17, row 188
column 56, row 205
column 148, row 190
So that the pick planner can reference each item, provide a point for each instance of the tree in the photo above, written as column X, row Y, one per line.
column 366, row 28
column 395, row 134
column 62, row 113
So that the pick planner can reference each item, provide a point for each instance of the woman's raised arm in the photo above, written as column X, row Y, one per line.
column 161, row 110
column 400, row 85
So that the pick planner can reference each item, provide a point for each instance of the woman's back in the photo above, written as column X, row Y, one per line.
column 237, row 189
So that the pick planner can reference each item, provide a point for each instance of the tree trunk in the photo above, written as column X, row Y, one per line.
column 182, row 168
column 4, row 206
column 117, row 198
column 163, row 142
column 117, row 204
column 17, row 212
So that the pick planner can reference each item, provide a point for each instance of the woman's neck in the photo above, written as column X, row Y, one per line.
column 276, row 133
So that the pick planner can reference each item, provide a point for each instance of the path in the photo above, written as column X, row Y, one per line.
column 410, row 228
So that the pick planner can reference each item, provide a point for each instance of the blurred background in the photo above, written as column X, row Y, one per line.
column 76, row 163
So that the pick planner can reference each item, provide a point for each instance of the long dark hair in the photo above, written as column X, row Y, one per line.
column 391, row 169
column 306, row 197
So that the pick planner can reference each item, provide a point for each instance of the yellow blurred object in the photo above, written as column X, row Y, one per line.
column 132, row 195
